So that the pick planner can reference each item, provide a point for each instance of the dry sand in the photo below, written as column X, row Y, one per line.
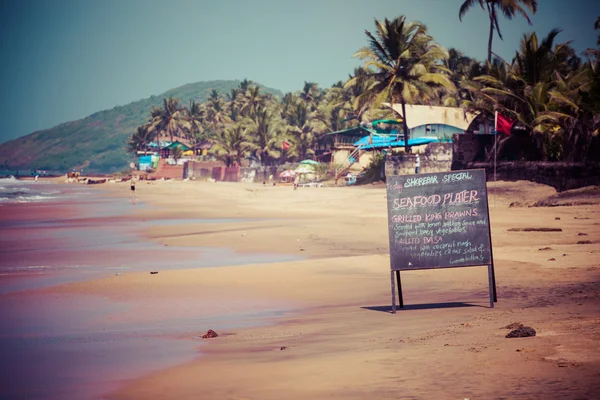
column 342, row 342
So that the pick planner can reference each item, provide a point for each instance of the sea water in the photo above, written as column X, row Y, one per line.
column 61, row 346
column 13, row 190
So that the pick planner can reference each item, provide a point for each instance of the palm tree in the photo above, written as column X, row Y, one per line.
column 216, row 111
column 406, row 66
column 170, row 119
column 540, row 88
column 252, row 101
column 245, row 85
column 233, row 103
column 509, row 8
column 140, row 139
column 232, row 144
column 195, row 117
column 266, row 132
column 300, row 130
column 311, row 94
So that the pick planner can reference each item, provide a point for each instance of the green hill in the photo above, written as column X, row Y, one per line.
column 97, row 143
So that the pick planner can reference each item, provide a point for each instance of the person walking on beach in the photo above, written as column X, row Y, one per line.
column 296, row 181
column 132, row 195
column 417, row 164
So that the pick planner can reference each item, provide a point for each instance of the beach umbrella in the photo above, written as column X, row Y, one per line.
column 309, row 162
column 287, row 174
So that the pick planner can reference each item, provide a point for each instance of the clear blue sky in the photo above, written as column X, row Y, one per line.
column 65, row 59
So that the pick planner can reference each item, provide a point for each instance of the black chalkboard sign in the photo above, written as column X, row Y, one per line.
column 439, row 220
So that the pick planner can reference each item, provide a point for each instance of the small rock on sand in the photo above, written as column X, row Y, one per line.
column 210, row 334
column 584, row 242
column 524, row 331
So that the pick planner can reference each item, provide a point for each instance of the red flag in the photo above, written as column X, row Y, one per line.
column 285, row 145
column 503, row 124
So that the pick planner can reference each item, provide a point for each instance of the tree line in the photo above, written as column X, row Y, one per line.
column 547, row 89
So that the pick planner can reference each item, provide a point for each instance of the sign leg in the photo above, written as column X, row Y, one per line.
column 393, row 293
column 400, row 299
column 492, row 283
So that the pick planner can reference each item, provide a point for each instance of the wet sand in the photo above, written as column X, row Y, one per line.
column 325, row 330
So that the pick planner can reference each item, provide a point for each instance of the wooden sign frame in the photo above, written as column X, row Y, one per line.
column 432, row 184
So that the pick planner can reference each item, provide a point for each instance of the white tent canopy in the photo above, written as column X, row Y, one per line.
column 417, row 115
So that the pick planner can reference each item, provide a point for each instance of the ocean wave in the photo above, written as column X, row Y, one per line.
column 25, row 199
column 14, row 192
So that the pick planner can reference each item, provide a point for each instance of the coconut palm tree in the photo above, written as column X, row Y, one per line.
column 140, row 139
column 405, row 64
column 232, row 144
column 170, row 119
column 245, row 85
column 265, row 131
column 509, row 8
column 311, row 94
column 252, row 101
column 216, row 111
column 196, row 115
column 234, row 104
column 540, row 88
column 300, row 129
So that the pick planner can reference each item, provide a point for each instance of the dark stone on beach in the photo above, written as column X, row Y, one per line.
column 582, row 234
column 282, row 348
column 514, row 325
column 584, row 242
column 557, row 218
column 210, row 334
column 545, row 248
column 552, row 259
column 154, row 272
column 524, row 331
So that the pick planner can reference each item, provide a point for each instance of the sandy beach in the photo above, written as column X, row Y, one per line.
column 325, row 329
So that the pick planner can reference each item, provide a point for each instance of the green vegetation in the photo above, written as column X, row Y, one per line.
column 552, row 93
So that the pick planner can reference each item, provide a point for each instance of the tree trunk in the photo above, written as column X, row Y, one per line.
column 405, row 126
column 491, row 12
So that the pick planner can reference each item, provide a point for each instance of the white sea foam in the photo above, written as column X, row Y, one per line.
column 26, row 199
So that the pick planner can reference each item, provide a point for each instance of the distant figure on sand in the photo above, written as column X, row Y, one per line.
column 296, row 181
column 417, row 164
column 132, row 196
